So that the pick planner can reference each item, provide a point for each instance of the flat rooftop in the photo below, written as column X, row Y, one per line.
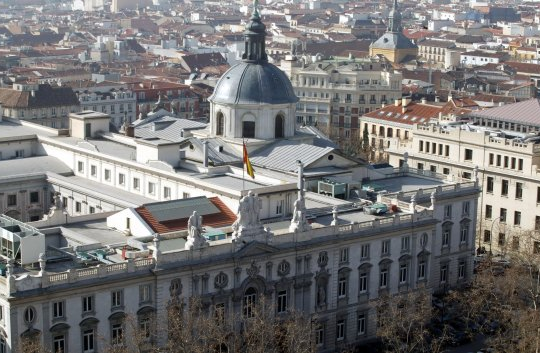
column 32, row 165
column 406, row 183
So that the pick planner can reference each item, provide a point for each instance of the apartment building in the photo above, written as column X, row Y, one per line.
column 502, row 143
column 42, row 103
column 334, row 95
column 110, row 98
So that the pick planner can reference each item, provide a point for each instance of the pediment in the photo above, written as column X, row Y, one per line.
column 256, row 249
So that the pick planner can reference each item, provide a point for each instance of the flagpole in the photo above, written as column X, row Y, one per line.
column 243, row 167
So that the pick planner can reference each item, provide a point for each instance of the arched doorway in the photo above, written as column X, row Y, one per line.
column 220, row 123
column 279, row 129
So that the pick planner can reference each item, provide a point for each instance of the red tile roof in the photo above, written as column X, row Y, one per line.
column 416, row 113
column 225, row 217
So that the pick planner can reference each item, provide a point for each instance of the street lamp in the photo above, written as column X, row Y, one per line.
column 491, row 233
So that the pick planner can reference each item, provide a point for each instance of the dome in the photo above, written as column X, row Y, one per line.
column 254, row 83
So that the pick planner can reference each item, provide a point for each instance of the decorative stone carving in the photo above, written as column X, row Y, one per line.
column 253, row 270
column 335, row 220
column 248, row 224
column 284, row 268
column 299, row 221
column 221, row 280
column 175, row 288
column 323, row 259
column 195, row 239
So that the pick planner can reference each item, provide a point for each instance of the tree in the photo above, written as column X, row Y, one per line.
column 403, row 323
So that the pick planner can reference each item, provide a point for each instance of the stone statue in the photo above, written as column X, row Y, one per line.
column 249, row 209
column 248, row 219
column 299, row 221
column 58, row 201
column 195, row 239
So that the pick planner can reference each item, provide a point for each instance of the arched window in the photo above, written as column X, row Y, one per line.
column 250, row 299
column 279, row 130
column 220, row 123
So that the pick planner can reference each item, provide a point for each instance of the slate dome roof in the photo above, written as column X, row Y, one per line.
column 254, row 83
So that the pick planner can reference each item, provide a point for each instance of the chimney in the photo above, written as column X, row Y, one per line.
column 396, row 103
column 405, row 101
column 33, row 93
column 501, row 104
column 437, row 99
column 403, row 109
column 424, row 100
column 205, row 154
column 130, row 131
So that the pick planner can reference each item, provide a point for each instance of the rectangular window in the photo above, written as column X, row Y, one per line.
column 107, row 175
column 465, row 208
column 34, row 197
column 506, row 162
column 446, row 171
column 468, row 154
column 383, row 278
column 519, row 191
column 361, row 324
column 279, row 207
column 498, row 160
column 504, row 187
column 444, row 273
column 405, row 242
column 517, row 218
column 403, row 273
column 446, row 237
column 421, row 270
column 489, row 184
column 363, row 285
column 344, row 255
column 58, row 310
column 59, row 344
column 78, row 207
column 538, row 194
column 136, row 184
column 385, row 249
column 91, row 210
column 420, row 166
column 340, row 330
column 491, row 158
column 448, row 211
column 117, row 298
column 117, row 334
column 536, row 247
column 80, row 167
column 487, row 236
column 186, row 195
column 421, row 146
column 93, row 170
column 537, row 223
column 166, row 192
column 88, row 304
column 319, row 335
column 503, row 215
column 502, row 239
column 145, row 294
column 520, row 164
column 446, row 151
column 461, row 269
column 88, row 341
column 364, row 251
column 122, row 179
column 151, row 188
column 464, row 234
column 489, row 211
column 342, row 287
column 282, row 304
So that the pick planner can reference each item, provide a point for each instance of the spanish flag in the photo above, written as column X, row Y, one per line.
column 249, row 168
